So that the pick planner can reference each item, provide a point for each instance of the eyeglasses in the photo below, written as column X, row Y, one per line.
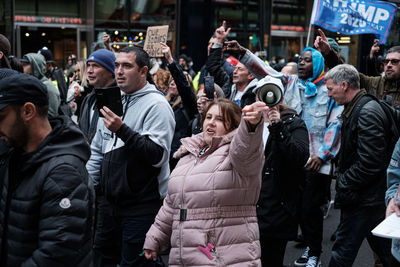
column 394, row 61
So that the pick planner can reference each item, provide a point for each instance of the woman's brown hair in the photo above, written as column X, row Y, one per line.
column 231, row 113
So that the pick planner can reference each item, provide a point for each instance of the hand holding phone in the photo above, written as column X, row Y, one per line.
column 209, row 87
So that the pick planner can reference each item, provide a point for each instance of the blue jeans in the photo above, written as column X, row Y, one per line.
column 355, row 225
column 133, row 233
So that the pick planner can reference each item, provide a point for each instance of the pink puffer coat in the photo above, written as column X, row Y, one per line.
column 211, row 200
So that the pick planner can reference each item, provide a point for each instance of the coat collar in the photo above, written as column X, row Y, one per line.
column 195, row 143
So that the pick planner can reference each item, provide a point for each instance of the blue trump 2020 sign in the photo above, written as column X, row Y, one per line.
column 355, row 17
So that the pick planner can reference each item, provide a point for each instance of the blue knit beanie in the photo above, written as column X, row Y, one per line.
column 105, row 58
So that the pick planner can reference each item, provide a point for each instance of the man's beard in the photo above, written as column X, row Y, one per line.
column 19, row 134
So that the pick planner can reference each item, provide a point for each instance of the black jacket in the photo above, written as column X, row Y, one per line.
column 363, row 157
column 87, row 123
column 46, row 204
column 286, row 152
column 214, row 67
column 186, row 110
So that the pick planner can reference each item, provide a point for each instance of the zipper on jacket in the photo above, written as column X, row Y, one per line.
column 127, row 100
column 183, row 211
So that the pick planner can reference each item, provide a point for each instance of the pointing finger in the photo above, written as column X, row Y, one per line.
column 322, row 35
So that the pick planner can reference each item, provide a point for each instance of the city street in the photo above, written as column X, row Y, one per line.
column 364, row 257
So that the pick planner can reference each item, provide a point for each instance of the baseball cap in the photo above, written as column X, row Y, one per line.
column 24, row 59
column 233, row 61
column 21, row 88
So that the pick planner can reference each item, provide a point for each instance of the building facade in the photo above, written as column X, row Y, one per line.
column 276, row 27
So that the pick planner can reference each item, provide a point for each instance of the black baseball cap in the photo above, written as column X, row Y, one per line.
column 21, row 88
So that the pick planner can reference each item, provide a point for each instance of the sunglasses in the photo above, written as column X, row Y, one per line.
column 394, row 61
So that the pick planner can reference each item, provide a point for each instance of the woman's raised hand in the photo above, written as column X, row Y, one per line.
column 167, row 52
column 253, row 113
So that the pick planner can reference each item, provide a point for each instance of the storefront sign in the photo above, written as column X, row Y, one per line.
column 48, row 20
column 154, row 36
column 355, row 17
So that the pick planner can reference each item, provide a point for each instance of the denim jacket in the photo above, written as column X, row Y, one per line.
column 393, row 182
column 319, row 112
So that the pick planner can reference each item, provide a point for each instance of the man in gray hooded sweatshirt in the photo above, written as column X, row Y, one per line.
column 35, row 65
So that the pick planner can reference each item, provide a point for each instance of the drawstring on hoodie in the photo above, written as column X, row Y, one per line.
column 127, row 100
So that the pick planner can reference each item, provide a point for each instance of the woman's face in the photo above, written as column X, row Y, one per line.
column 172, row 88
column 213, row 124
column 77, row 73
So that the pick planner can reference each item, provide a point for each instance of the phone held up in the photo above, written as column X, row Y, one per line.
column 209, row 87
column 109, row 97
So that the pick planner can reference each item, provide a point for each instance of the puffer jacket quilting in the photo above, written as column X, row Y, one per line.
column 219, row 191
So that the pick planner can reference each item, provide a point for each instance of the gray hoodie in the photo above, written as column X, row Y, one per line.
column 38, row 68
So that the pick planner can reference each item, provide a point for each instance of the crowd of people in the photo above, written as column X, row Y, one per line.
column 225, row 178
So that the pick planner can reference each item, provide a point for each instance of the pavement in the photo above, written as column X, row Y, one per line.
column 364, row 256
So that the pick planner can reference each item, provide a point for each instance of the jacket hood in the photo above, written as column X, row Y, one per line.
column 64, row 139
column 147, row 89
column 38, row 64
column 287, row 111
column 195, row 143
column 317, row 79
column 252, row 84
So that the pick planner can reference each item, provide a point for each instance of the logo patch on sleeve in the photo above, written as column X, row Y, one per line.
column 65, row 203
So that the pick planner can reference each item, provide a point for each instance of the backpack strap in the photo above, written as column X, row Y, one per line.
column 356, row 110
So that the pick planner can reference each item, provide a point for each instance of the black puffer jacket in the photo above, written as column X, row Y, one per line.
column 46, row 204
column 286, row 152
column 363, row 157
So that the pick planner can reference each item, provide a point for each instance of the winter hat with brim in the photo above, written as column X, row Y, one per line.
column 333, row 44
column 48, row 55
column 21, row 88
column 105, row 58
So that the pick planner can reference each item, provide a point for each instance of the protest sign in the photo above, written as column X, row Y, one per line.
column 352, row 17
column 154, row 36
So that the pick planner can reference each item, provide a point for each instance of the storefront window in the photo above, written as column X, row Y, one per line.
column 289, row 12
column 53, row 8
column 243, row 18
column 126, row 21
column 394, row 36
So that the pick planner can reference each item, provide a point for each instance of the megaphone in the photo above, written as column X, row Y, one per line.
column 270, row 94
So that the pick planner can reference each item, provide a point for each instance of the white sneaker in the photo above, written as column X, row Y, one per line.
column 313, row 261
column 302, row 261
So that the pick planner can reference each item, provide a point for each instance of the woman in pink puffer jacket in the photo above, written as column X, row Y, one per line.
column 209, row 214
